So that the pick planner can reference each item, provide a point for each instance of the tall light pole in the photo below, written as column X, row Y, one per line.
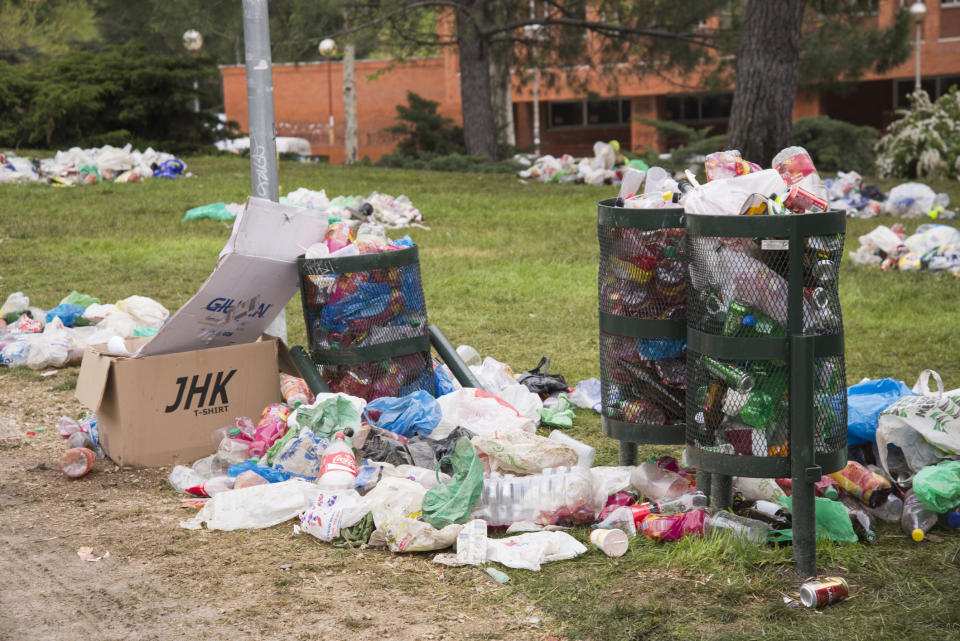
column 918, row 11
column 327, row 48
column 192, row 41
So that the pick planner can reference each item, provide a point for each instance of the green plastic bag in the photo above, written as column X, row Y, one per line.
column 145, row 330
column 832, row 519
column 80, row 300
column 329, row 417
column 938, row 486
column 452, row 502
column 216, row 211
column 560, row 415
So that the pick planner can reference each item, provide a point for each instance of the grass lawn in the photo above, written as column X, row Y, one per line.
column 511, row 269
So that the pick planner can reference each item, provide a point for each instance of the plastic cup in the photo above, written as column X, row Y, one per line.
column 77, row 462
column 613, row 543
column 469, row 355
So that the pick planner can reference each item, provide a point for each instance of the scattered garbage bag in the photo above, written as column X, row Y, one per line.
column 395, row 497
column 559, row 414
column 529, row 551
column 382, row 446
column 938, row 486
column 329, row 414
column 913, row 200
column 865, row 401
column 480, row 412
column 76, row 298
column 542, row 382
column 442, row 447
column 215, row 211
column 17, row 303
column 144, row 311
column 586, row 394
column 332, row 511
column 520, row 452
column 67, row 313
column 926, row 427
column 832, row 519
column 527, row 404
column 300, row 456
column 255, row 507
column 452, row 502
column 410, row 535
column 417, row 412
column 271, row 474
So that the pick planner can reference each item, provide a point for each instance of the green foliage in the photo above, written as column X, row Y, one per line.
column 116, row 94
column 836, row 145
column 424, row 130
column 29, row 28
column 685, row 143
column 925, row 142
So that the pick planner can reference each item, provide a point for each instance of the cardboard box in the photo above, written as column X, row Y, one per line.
column 160, row 410
column 253, row 281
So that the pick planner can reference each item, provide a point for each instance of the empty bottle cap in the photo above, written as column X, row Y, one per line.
column 748, row 321
column 831, row 493
column 917, row 535
column 234, row 431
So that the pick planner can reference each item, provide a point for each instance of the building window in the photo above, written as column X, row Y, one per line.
column 695, row 108
column 935, row 87
column 588, row 113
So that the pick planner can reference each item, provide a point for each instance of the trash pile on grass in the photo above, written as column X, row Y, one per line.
column 77, row 166
column 931, row 248
column 38, row 339
column 908, row 200
column 605, row 167
column 389, row 211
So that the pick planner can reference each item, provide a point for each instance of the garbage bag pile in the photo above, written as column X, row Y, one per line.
column 38, row 339
column 77, row 166
column 931, row 248
column 603, row 168
column 388, row 211
column 404, row 473
column 908, row 200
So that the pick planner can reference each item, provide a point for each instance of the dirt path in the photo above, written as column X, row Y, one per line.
column 162, row 582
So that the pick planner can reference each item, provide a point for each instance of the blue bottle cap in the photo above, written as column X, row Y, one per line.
column 748, row 320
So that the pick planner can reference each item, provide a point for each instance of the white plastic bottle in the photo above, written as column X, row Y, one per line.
column 917, row 520
column 338, row 468
column 683, row 503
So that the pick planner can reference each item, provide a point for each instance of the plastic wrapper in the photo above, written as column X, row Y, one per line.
column 522, row 453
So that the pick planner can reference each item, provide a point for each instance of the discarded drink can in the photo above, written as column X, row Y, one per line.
column 731, row 375
column 820, row 592
column 800, row 200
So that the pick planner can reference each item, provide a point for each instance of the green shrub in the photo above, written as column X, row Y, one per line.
column 836, row 145
column 925, row 142
column 424, row 131
column 447, row 162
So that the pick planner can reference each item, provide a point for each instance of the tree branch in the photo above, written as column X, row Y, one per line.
column 603, row 28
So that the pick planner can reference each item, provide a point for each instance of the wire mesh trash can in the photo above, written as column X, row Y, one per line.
column 642, row 313
column 366, row 323
column 765, row 364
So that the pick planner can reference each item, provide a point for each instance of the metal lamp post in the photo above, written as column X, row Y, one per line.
column 327, row 49
column 918, row 11
column 192, row 42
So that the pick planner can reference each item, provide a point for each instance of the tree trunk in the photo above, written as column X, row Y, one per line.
column 479, row 125
column 349, row 103
column 500, row 77
column 768, row 65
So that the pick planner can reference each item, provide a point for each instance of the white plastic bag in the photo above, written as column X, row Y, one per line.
column 529, row 551
column 332, row 511
column 609, row 480
column 913, row 200
column 882, row 238
column 255, row 507
column 16, row 302
column 518, row 452
column 727, row 195
column 493, row 375
column 526, row 403
column 925, row 427
column 52, row 347
column 118, row 323
column 395, row 497
column 145, row 311
column 478, row 411
column 410, row 535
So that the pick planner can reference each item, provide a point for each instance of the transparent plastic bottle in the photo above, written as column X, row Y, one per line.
column 182, row 478
column 917, row 520
column 217, row 485
column 77, row 462
column 759, row 489
column 585, row 453
column 748, row 530
column 683, row 503
column 860, row 519
column 889, row 510
column 656, row 483
column 556, row 496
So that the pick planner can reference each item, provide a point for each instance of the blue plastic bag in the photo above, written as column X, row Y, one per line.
column 67, row 313
column 269, row 473
column 417, row 412
column 661, row 349
column 865, row 401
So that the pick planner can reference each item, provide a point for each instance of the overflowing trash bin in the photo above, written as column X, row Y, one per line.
column 642, row 315
column 366, row 323
column 765, row 364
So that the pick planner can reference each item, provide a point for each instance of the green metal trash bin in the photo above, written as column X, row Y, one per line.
column 765, row 364
column 642, row 315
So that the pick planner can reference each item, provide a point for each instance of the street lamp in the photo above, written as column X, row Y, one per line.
column 192, row 41
column 918, row 11
column 327, row 49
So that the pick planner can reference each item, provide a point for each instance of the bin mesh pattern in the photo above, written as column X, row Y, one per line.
column 642, row 276
column 738, row 287
column 396, row 376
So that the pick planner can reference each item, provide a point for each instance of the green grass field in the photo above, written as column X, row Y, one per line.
column 511, row 269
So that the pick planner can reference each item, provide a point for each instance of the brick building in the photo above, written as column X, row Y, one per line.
column 568, row 122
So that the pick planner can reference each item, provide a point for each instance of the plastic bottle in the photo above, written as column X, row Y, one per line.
column 338, row 234
column 585, row 453
column 271, row 426
column 860, row 519
column 556, row 496
column 81, row 439
column 67, row 426
column 630, row 184
column 748, row 530
column 182, row 478
column 889, row 510
column 656, row 483
column 217, row 485
column 759, row 489
column 682, row 503
column 338, row 467
column 294, row 390
column 917, row 520
column 77, row 462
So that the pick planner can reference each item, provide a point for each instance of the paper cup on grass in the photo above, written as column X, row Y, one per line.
column 613, row 543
